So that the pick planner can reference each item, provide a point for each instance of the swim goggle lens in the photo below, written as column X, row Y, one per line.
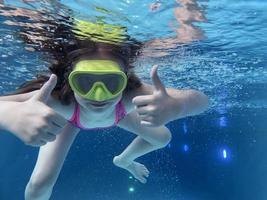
column 85, row 82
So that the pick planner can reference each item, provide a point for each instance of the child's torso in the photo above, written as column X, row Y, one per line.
column 88, row 122
column 84, row 121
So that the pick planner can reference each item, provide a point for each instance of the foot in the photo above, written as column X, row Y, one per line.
column 138, row 170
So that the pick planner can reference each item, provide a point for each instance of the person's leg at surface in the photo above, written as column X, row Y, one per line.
column 49, row 163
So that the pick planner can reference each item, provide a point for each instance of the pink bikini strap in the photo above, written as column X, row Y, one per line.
column 74, row 116
column 120, row 112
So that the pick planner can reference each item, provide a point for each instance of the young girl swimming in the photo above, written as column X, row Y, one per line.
column 94, row 86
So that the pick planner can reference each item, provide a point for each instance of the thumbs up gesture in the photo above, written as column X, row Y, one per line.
column 33, row 121
column 154, row 110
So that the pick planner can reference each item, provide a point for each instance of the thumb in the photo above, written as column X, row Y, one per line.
column 46, row 89
column 159, row 86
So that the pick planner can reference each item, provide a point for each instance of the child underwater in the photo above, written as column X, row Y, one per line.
column 94, row 88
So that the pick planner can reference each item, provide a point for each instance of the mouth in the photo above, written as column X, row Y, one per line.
column 98, row 104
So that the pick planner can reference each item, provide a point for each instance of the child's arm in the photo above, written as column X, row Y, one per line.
column 189, row 102
column 18, row 97
column 158, row 105
column 32, row 120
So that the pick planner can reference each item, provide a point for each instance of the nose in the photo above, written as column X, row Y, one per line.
column 100, row 93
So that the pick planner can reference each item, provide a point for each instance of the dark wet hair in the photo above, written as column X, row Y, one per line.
column 63, row 53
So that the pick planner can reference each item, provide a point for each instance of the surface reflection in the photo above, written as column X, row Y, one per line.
column 185, row 14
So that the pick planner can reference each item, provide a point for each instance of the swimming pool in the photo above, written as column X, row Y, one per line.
column 218, row 47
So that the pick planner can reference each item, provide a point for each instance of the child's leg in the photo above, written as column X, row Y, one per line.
column 139, row 147
column 49, row 163
column 149, row 139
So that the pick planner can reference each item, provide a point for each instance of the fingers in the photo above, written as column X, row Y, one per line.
column 49, row 134
column 42, row 142
column 146, row 115
column 48, row 137
column 143, row 100
column 38, row 144
column 144, row 110
column 57, row 122
column 46, row 89
column 146, row 120
column 146, row 123
column 54, row 129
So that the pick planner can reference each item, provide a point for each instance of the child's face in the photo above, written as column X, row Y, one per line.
column 95, row 105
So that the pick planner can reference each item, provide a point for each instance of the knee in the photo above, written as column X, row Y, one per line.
column 165, row 138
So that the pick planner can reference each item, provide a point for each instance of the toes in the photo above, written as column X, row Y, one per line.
column 142, row 180
column 147, row 173
column 139, row 171
column 144, row 167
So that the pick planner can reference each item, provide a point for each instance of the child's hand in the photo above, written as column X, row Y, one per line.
column 155, row 109
column 33, row 121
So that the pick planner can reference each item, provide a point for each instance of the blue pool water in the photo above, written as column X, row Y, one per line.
column 218, row 47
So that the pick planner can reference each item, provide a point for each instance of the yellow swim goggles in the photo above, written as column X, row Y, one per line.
column 97, row 80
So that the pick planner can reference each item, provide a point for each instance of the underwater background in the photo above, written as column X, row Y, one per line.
column 218, row 47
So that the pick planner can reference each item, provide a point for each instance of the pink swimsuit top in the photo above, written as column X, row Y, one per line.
column 75, row 119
